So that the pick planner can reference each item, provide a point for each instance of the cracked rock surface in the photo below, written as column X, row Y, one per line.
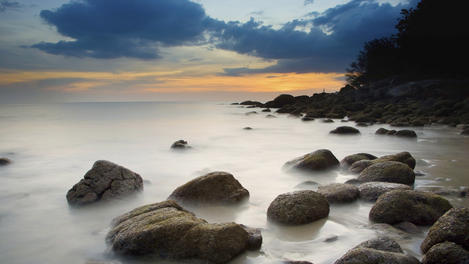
column 104, row 181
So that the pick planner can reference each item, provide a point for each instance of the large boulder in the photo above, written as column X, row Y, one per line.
column 167, row 230
column 420, row 208
column 381, row 250
column 318, row 160
column 4, row 161
column 345, row 130
column 447, row 253
column 388, row 171
column 300, row 207
column 350, row 159
column 403, row 157
column 453, row 226
column 216, row 187
column 280, row 101
column 104, row 181
column 370, row 191
column 339, row 192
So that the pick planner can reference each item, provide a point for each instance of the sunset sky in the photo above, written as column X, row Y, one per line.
column 160, row 50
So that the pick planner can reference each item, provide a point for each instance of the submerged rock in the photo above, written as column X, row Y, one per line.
column 345, row 130
column 328, row 120
column 300, row 207
column 247, row 128
column 381, row 250
column 318, row 160
column 216, row 187
column 105, row 181
column 406, row 133
column 167, row 230
column 370, row 191
column 251, row 113
column 339, row 192
column 453, row 226
column 4, row 161
column 350, row 159
column 388, row 171
column 180, row 144
column 419, row 208
column 270, row 116
column 447, row 253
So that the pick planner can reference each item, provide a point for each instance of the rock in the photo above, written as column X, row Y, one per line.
column 362, row 124
column 350, row 159
column 388, row 171
column 105, row 181
column 247, row 128
column 447, row 253
column 370, row 191
column 255, row 238
column 406, row 133
column 318, row 160
column 180, row 144
column 407, row 227
column 252, row 103
column 377, row 251
column 359, row 166
column 345, row 130
column 328, row 121
column 453, row 226
column 331, row 239
column 465, row 131
column 251, row 113
column 419, row 208
column 251, row 106
column 300, row 207
column 266, row 110
column 4, row 161
column 445, row 190
column 404, row 157
column 280, row 101
column 307, row 118
column 167, row 230
column 381, row 131
column 270, row 116
column 339, row 192
column 215, row 188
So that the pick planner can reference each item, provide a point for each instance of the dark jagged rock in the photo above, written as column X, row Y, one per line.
column 345, row 130
column 370, row 191
column 388, row 171
column 419, row 208
column 105, row 181
column 216, row 188
column 339, row 192
column 350, row 159
column 447, row 253
column 280, row 101
column 167, row 230
column 453, row 226
column 4, row 161
column 180, row 144
column 318, row 160
column 300, row 207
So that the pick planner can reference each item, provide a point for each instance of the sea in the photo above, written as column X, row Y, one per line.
column 53, row 145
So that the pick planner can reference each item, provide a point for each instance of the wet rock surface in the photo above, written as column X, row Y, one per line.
column 447, row 253
column 318, row 160
column 388, row 171
column 339, row 192
column 212, row 188
column 370, row 191
column 300, row 207
column 104, row 181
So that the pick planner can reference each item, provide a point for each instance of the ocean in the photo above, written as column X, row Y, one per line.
column 53, row 145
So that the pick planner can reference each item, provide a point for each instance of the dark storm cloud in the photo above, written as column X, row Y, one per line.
column 123, row 28
column 6, row 5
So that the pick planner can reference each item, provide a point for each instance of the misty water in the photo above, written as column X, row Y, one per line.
column 52, row 146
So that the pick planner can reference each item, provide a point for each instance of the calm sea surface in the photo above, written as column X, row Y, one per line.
column 52, row 147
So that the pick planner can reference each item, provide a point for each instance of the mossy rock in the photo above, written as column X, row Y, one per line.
column 350, row 159
column 388, row 171
column 447, row 253
column 339, row 192
column 318, row 160
column 371, row 191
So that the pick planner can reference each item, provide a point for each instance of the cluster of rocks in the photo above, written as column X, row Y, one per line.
column 398, row 133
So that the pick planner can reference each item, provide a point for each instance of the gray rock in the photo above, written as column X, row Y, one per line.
column 105, row 181
column 345, row 130
column 419, row 208
column 370, row 191
column 339, row 192
column 300, row 207
column 167, row 230
column 180, row 144
column 215, row 187
column 318, row 160
column 453, row 226
column 447, row 253
column 388, row 171
column 4, row 161
column 350, row 159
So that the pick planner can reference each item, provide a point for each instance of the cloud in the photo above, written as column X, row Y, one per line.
column 122, row 28
column 7, row 5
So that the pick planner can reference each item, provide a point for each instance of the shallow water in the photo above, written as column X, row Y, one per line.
column 52, row 146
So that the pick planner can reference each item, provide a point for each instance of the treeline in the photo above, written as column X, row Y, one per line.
column 432, row 42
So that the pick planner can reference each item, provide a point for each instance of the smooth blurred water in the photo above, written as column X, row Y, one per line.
column 52, row 147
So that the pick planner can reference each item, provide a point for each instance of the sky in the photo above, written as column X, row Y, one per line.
column 172, row 50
